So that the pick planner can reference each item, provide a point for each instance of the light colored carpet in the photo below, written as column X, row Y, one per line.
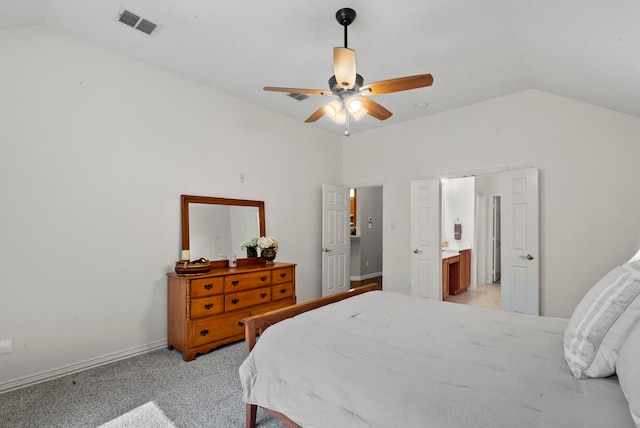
column 157, row 389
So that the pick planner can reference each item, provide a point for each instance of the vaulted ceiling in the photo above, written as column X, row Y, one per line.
column 588, row 50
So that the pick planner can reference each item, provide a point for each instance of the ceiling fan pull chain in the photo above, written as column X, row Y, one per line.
column 346, row 129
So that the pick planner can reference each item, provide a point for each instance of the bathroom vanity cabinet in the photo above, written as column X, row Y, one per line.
column 456, row 273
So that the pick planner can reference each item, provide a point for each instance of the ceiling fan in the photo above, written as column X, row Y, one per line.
column 352, row 95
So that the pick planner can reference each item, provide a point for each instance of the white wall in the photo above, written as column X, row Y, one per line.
column 458, row 200
column 587, row 157
column 370, row 201
column 96, row 150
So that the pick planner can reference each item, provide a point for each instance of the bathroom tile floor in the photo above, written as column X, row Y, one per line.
column 376, row 280
column 486, row 295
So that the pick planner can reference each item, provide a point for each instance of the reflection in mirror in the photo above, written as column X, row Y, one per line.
column 217, row 231
column 214, row 228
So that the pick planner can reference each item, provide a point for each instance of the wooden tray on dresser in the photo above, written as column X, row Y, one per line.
column 189, row 268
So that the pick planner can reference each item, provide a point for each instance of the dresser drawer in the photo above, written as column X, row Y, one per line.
column 207, row 286
column 282, row 275
column 212, row 329
column 244, row 299
column 281, row 291
column 205, row 306
column 245, row 281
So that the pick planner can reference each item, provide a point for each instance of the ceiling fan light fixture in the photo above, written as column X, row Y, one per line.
column 333, row 108
column 354, row 105
column 358, row 115
column 341, row 116
column 348, row 87
column 344, row 67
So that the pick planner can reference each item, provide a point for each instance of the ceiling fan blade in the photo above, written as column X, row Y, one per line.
column 316, row 115
column 375, row 109
column 397, row 85
column 344, row 67
column 297, row 90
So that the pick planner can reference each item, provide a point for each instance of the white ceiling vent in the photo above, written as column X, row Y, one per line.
column 299, row 97
column 134, row 21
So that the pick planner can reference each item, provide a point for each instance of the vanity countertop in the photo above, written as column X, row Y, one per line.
column 447, row 254
column 450, row 252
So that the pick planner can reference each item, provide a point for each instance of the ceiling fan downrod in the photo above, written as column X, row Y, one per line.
column 345, row 17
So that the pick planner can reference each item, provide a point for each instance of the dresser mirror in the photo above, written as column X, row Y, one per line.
column 214, row 228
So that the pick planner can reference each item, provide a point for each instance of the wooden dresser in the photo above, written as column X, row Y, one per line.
column 204, row 310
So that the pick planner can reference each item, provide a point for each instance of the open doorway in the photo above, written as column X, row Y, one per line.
column 366, row 235
column 495, row 241
column 471, row 228
column 519, row 238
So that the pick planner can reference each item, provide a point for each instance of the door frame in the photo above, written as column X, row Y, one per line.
column 474, row 249
column 480, row 173
column 383, row 185
column 496, row 247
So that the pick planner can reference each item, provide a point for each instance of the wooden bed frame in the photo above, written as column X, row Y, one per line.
column 256, row 325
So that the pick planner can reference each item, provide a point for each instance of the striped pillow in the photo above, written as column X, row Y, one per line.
column 602, row 321
column 628, row 371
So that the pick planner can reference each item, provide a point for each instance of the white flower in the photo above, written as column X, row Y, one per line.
column 249, row 243
column 268, row 241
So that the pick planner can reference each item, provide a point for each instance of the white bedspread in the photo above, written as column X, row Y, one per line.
column 390, row 360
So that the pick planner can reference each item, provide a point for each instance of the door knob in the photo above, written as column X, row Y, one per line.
column 326, row 250
column 416, row 251
column 528, row 257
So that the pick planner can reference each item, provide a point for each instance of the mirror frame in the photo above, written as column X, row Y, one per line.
column 185, row 200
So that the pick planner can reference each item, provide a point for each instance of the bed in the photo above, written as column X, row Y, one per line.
column 383, row 359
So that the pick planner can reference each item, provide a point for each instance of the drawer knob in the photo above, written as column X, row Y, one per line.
column 282, row 275
column 283, row 290
column 208, row 286
column 235, row 301
column 263, row 278
column 234, row 283
column 208, row 306
column 263, row 295
column 204, row 332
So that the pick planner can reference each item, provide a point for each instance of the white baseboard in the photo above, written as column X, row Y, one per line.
column 83, row 365
column 367, row 276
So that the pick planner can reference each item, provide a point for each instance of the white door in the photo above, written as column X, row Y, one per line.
column 336, row 241
column 426, row 252
column 519, row 281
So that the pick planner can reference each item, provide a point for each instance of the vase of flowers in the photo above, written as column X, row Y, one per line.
column 268, row 248
column 251, row 245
